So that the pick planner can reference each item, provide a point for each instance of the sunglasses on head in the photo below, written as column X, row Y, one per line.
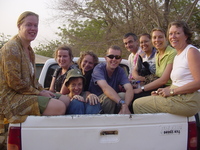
column 114, row 56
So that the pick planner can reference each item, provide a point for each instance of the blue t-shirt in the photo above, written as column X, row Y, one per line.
column 118, row 77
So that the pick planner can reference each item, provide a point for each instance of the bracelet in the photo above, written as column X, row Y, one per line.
column 120, row 103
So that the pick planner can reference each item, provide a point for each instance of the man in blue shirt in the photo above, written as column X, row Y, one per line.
column 106, row 78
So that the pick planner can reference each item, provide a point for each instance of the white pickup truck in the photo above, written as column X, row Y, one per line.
column 103, row 132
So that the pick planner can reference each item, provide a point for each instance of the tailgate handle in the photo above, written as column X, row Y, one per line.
column 112, row 132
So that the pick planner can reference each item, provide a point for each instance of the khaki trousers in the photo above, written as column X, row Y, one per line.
column 185, row 104
column 108, row 105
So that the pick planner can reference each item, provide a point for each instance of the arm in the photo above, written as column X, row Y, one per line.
column 112, row 94
column 129, row 93
column 128, row 99
column 159, row 82
column 64, row 90
column 52, row 85
column 108, row 90
column 194, row 66
column 17, row 72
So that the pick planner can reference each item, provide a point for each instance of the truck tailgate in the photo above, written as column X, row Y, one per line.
column 105, row 132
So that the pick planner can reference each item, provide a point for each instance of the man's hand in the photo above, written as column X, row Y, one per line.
column 124, row 109
column 92, row 99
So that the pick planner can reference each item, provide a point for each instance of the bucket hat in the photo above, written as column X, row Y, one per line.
column 74, row 73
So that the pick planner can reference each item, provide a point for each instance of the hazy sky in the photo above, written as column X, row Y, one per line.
column 10, row 10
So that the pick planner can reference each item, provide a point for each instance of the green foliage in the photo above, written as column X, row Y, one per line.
column 97, row 24
column 47, row 49
column 89, row 32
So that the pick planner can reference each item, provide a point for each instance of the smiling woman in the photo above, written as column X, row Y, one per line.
column 42, row 7
column 21, row 94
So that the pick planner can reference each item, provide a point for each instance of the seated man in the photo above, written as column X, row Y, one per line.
column 106, row 78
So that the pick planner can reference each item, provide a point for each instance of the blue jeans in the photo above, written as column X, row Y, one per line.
column 78, row 107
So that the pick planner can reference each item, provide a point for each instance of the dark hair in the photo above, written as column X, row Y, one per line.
column 145, row 34
column 130, row 34
column 185, row 27
column 64, row 47
column 84, row 53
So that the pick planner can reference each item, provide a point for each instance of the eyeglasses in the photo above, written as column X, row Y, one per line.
column 114, row 56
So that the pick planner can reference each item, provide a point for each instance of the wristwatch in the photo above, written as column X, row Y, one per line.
column 120, row 103
column 171, row 91
column 142, row 89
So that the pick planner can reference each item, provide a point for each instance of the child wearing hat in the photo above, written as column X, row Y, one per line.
column 82, row 102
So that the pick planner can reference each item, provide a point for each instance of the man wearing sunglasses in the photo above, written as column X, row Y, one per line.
column 106, row 78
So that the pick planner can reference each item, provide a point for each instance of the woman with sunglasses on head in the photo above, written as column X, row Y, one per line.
column 164, row 61
column 146, row 62
column 182, row 97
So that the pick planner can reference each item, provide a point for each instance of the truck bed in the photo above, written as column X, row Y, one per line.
column 105, row 132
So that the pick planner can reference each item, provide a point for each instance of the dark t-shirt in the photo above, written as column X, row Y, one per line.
column 88, row 76
column 61, row 78
column 118, row 77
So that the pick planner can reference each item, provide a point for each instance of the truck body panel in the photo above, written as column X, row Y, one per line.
column 141, row 132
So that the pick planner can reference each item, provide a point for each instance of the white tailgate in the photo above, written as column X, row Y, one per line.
column 105, row 132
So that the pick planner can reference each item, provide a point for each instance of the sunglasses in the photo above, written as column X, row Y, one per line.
column 114, row 56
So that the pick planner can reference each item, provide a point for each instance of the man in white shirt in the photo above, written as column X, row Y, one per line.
column 131, row 43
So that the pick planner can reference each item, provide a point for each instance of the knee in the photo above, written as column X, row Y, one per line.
column 59, row 109
column 54, row 108
column 135, row 107
column 65, row 99
column 77, row 103
column 76, row 107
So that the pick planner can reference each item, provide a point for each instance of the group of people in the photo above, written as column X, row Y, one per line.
column 169, row 76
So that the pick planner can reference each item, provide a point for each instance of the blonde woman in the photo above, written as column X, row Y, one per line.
column 64, row 57
column 21, row 94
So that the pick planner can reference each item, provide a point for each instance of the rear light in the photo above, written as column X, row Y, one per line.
column 192, row 136
column 14, row 138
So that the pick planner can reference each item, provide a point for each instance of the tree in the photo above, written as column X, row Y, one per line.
column 48, row 49
column 3, row 39
column 97, row 24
